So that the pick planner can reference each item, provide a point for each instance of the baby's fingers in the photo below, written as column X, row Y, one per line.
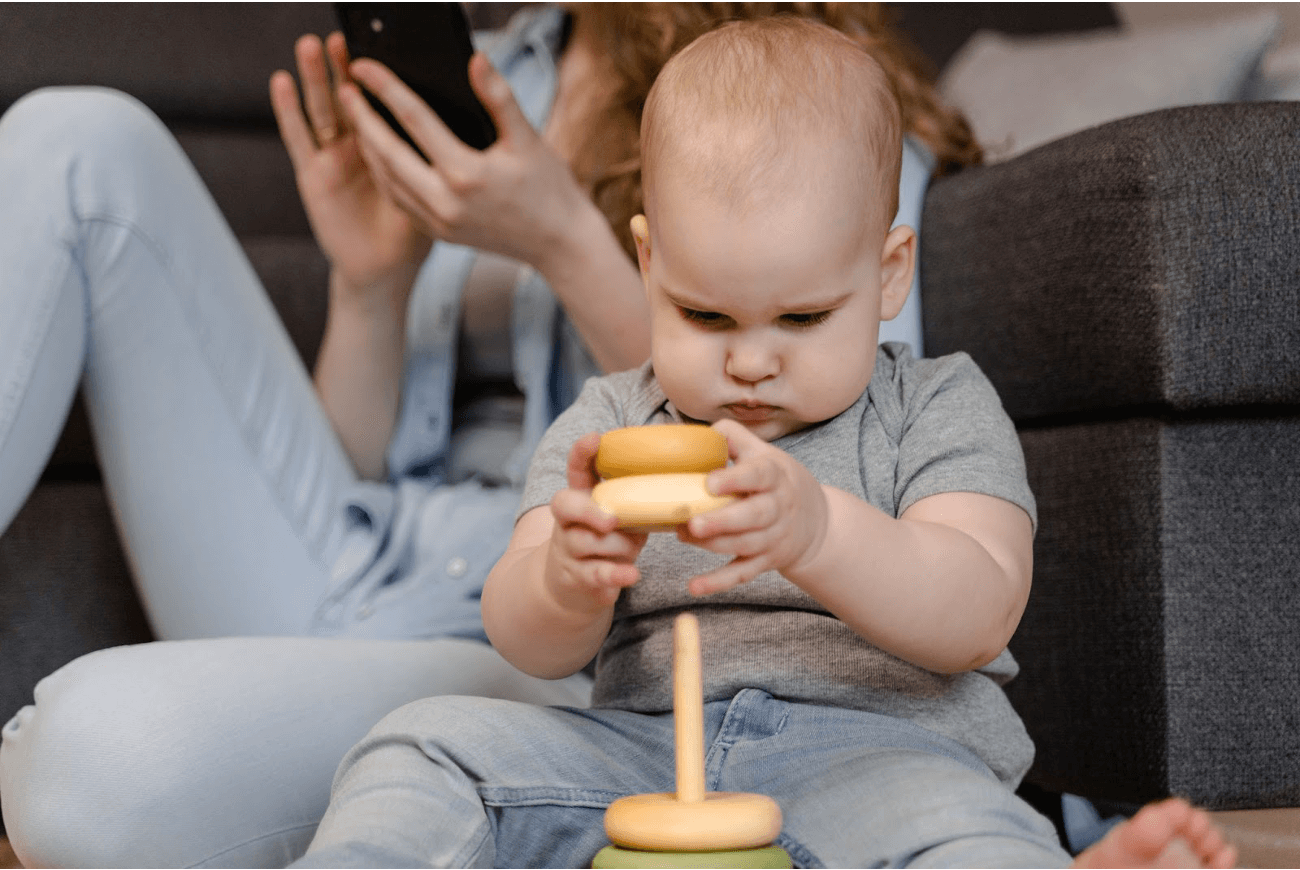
column 584, row 543
column 572, row 507
column 602, row 579
column 729, row 576
column 759, row 474
column 581, row 469
column 738, row 518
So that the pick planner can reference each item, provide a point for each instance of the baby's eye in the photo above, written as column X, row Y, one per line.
column 707, row 319
column 803, row 321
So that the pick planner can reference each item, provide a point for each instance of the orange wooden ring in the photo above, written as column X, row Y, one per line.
column 666, row 449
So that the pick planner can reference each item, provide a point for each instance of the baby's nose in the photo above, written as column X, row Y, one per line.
column 752, row 361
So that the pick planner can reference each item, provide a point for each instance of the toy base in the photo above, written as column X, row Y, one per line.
column 768, row 856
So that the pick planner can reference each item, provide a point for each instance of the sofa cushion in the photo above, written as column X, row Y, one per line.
column 218, row 59
column 1158, row 650
column 1152, row 261
column 65, row 589
column 248, row 173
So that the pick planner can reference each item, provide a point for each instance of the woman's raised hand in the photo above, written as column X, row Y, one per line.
column 371, row 243
column 517, row 198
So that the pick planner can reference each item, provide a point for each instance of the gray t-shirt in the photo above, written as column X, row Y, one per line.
column 922, row 427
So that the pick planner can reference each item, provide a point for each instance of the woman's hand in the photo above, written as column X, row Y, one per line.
column 589, row 561
column 517, row 198
column 373, row 245
column 779, row 522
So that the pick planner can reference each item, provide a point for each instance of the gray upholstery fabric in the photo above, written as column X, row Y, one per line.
column 1159, row 651
column 248, row 173
column 216, row 57
column 1152, row 261
column 65, row 589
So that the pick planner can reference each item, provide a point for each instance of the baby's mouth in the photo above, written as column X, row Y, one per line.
column 750, row 412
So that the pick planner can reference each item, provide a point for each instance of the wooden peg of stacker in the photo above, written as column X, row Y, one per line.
column 692, row 820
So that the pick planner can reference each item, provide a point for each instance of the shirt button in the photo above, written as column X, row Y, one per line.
column 456, row 567
column 365, row 611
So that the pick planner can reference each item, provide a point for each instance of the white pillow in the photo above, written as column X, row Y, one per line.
column 1279, row 76
column 1019, row 92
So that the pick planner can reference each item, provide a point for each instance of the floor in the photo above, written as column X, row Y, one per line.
column 7, row 858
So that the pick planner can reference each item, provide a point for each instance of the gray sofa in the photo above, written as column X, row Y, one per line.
column 1132, row 291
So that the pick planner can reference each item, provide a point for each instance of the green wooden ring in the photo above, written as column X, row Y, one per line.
column 766, row 857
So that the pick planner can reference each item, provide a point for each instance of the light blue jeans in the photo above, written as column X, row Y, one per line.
column 118, row 273
column 481, row 783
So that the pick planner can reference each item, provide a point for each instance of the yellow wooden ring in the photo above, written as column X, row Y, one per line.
column 666, row 449
column 656, row 502
column 723, row 820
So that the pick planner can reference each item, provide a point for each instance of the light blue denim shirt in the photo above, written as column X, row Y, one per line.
column 418, row 549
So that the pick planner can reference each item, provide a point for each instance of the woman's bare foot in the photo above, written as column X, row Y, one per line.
column 1171, row 833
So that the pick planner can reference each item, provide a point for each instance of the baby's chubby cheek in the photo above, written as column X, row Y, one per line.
column 688, row 380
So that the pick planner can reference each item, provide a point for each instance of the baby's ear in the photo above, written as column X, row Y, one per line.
column 641, row 235
column 897, row 264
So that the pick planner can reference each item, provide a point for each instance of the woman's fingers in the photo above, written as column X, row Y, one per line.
column 336, row 49
column 435, row 139
column 318, row 94
column 400, row 171
column 295, row 133
column 494, row 93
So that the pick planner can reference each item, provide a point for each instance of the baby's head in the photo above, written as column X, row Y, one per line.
column 770, row 161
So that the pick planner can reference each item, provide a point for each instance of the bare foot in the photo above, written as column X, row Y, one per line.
column 1171, row 833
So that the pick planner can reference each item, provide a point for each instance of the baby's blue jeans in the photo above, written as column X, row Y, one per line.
column 474, row 782
column 119, row 274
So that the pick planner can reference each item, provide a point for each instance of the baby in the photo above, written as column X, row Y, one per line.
column 855, row 600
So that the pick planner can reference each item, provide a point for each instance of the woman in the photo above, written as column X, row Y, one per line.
column 332, row 537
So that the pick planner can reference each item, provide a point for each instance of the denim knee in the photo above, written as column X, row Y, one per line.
column 81, row 118
column 81, row 775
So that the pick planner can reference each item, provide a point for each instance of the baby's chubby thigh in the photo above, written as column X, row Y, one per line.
column 461, row 781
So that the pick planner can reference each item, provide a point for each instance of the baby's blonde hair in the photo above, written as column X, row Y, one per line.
column 729, row 107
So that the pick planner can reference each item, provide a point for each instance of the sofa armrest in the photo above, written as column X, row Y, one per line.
column 1132, row 293
column 1153, row 262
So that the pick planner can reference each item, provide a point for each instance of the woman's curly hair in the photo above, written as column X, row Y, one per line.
column 636, row 40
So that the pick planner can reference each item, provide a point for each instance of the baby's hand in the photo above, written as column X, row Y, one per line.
column 590, row 560
column 779, row 521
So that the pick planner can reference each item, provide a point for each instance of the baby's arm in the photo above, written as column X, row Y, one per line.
column 943, row 586
column 548, row 602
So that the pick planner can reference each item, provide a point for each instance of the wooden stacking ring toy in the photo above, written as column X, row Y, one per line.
column 654, row 476
column 692, row 828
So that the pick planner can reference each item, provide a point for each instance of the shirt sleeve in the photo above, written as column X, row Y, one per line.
column 956, row 437
column 595, row 410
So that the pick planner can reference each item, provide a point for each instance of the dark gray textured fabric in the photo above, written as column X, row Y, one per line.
column 64, row 588
column 1160, row 650
column 207, row 60
column 1151, row 261
column 248, row 173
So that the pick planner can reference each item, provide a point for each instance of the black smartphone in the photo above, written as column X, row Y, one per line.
column 427, row 45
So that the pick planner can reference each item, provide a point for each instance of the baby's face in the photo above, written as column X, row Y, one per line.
column 768, row 315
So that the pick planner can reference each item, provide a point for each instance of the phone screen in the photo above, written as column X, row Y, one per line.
column 428, row 46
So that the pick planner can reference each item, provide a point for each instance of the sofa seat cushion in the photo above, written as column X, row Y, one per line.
column 1179, row 538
